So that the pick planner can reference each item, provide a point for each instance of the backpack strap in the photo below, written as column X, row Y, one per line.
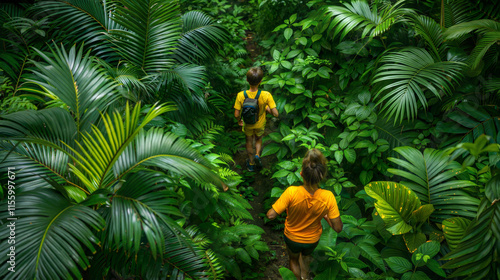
column 258, row 94
column 245, row 94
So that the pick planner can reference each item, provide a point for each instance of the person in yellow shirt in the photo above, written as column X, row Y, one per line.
column 306, row 206
column 254, row 132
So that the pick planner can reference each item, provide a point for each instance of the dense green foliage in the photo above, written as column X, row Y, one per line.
column 121, row 134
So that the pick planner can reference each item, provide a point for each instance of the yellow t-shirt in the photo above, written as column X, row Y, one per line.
column 265, row 99
column 305, row 211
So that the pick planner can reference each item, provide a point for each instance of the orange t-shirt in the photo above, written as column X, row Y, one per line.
column 305, row 211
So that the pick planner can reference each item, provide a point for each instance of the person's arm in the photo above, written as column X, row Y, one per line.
column 336, row 224
column 279, row 206
column 237, row 115
column 271, row 214
column 274, row 111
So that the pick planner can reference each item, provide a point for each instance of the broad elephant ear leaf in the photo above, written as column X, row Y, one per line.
column 51, row 242
column 431, row 176
column 395, row 204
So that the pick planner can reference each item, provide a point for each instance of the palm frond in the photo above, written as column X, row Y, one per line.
column 150, row 33
column 73, row 78
column 432, row 33
column 188, row 77
column 459, row 11
column 36, row 165
column 469, row 121
column 98, row 152
column 200, row 39
column 403, row 76
column 489, row 31
column 473, row 256
column 52, row 241
column 94, row 22
column 140, row 206
column 50, row 127
column 166, row 151
column 432, row 177
column 358, row 15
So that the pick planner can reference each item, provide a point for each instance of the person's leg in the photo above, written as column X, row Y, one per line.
column 249, row 146
column 304, row 261
column 258, row 145
column 305, row 258
column 294, row 262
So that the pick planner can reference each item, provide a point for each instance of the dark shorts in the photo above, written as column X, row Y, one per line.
column 304, row 248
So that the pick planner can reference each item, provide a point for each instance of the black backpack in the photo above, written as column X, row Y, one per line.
column 250, row 111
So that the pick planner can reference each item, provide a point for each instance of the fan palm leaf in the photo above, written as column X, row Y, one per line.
column 403, row 77
column 150, row 32
column 488, row 29
column 52, row 242
column 358, row 15
column 73, row 78
column 431, row 176
column 201, row 37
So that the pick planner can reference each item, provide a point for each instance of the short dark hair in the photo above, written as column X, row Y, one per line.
column 254, row 76
column 314, row 167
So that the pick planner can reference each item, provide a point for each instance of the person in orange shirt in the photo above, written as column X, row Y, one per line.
column 306, row 206
column 255, row 131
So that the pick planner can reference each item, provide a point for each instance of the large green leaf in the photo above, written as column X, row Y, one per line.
column 470, row 121
column 395, row 204
column 432, row 33
column 140, row 207
column 182, row 259
column 73, row 78
column 94, row 19
column 52, row 237
column 201, row 37
column 454, row 229
column 358, row 15
column 98, row 152
column 431, row 176
column 398, row 264
column 167, row 151
column 404, row 75
column 474, row 255
column 490, row 36
column 150, row 32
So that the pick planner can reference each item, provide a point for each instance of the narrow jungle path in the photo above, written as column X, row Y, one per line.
column 276, row 257
column 272, row 261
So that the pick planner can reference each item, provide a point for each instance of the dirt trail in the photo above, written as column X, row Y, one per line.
column 273, row 238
